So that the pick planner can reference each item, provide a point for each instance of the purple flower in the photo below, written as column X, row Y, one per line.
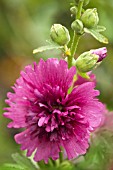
column 52, row 118
column 101, row 52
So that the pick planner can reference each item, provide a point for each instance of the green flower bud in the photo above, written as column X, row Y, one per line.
column 73, row 10
column 76, row 2
column 77, row 26
column 90, row 18
column 59, row 34
column 86, row 62
column 86, row 2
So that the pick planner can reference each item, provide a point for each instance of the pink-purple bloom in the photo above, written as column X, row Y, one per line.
column 52, row 118
column 101, row 52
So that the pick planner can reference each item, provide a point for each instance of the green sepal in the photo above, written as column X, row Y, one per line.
column 47, row 47
column 72, row 86
column 96, row 35
column 70, row 90
column 84, row 75
column 48, row 166
column 100, row 28
column 66, row 165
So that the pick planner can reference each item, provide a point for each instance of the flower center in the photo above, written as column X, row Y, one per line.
column 59, row 107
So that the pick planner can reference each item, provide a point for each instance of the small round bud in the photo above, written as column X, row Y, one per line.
column 77, row 26
column 59, row 34
column 101, row 52
column 90, row 18
column 77, row 1
column 73, row 10
column 86, row 2
column 86, row 62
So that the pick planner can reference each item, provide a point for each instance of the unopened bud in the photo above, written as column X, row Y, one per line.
column 90, row 18
column 73, row 10
column 86, row 62
column 77, row 26
column 101, row 52
column 59, row 34
column 85, row 2
column 76, row 2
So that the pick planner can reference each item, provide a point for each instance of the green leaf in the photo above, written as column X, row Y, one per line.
column 100, row 154
column 10, row 166
column 96, row 35
column 47, row 47
column 100, row 28
column 23, row 161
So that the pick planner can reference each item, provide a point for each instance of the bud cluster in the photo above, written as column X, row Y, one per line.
column 88, row 19
column 84, row 20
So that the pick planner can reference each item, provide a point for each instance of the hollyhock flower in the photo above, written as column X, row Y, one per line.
column 52, row 118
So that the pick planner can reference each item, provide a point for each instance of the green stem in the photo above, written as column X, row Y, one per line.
column 80, row 5
column 75, row 37
column 73, row 48
column 61, row 156
column 74, row 44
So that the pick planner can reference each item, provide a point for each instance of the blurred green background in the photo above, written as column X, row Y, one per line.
column 24, row 26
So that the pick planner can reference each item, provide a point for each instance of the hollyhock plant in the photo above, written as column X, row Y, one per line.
column 55, row 101
column 52, row 118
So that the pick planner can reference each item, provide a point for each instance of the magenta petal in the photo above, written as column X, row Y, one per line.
column 41, row 121
column 23, row 139
column 46, row 150
column 101, row 52
column 84, row 93
column 93, row 113
column 74, row 148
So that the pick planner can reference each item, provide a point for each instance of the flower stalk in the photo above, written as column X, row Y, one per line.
column 80, row 5
column 76, row 37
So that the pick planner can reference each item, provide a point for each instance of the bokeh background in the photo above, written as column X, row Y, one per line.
column 24, row 26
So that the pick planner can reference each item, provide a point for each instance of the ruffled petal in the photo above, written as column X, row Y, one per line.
column 75, row 147
column 46, row 150
column 23, row 138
